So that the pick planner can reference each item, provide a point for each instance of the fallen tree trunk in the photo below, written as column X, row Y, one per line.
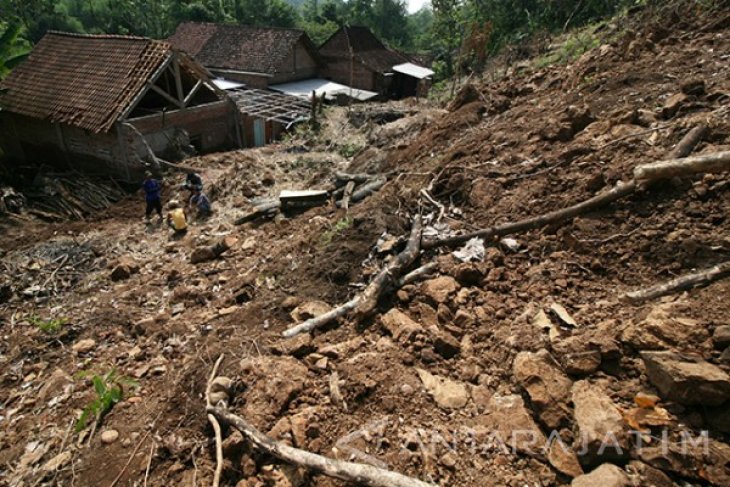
column 202, row 254
column 717, row 162
column 617, row 192
column 681, row 283
column 688, row 142
column 365, row 190
column 364, row 303
column 356, row 473
column 259, row 211
column 347, row 195
column 705, row 163
column 342, row 178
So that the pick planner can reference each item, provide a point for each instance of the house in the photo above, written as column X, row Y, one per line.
column 256, row 56
column 354, row 56
column 100, row 103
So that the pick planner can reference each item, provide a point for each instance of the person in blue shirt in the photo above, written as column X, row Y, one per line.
column 152, row 189
column 201, row 202
column 193, row 181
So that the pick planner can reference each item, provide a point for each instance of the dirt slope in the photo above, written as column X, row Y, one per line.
column 459, row 380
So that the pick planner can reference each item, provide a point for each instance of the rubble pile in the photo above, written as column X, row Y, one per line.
column 507, row 362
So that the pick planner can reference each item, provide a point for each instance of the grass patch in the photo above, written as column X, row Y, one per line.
column 340, row 226
column 49, row 327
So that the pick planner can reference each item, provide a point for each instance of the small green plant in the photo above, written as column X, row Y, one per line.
column 348, row 150
column 109, row 390
column 340, row 226
column 49, row 327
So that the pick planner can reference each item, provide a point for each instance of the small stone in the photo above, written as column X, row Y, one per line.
column 54, row 385
column 84, row 346
column 124, row 269
column 440, row 288
column 109, row 436
column 721, row 336
column 447, row 393
column 448, row 460
column 446, row 345
column 227, row 311
column 310, row 309
column 407, row 390
column 673, row 104
column 298, row 346
column 547, row 386
column 564, row 459
column 400, row 325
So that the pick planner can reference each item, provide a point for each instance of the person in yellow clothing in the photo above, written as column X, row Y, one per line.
column 176, row 218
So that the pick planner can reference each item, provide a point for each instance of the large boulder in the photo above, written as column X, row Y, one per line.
column 547, row 386
column 607, row 475
column 508, row 423
column 602, row 432
column 665, row 327
column 686, row 379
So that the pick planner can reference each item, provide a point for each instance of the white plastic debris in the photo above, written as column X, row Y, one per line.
column 472, row 251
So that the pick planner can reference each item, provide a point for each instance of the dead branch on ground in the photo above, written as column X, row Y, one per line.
column 364, row 303
column 357, row 473
column 688, row 142
column 705, row 163
column 216, row 426
column 681, row 283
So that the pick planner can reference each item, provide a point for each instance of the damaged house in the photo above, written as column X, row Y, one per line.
column 256, row 56
column 100, row 103
column 354, row 56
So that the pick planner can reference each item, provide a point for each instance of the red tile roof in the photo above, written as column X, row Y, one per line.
column 82, row 80
column 366, row 48
column 239, row 47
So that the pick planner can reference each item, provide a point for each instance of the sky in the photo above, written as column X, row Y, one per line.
column 415, row 5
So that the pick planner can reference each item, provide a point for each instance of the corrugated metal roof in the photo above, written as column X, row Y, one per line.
column 322, row 87
column 413, row 70
column 82, row 80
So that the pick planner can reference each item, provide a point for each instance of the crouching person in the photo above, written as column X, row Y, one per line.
column 200, row 203
column 176, row 219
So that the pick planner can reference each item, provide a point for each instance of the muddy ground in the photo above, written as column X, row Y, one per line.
column 441, row 383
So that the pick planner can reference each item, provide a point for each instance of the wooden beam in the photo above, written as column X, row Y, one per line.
column 193, row 92
column 178, row 80
column 144, row 91
column 167, row 96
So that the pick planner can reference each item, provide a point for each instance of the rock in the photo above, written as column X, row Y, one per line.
column 507, row 420
column 694, row 87
column 400, row 325
column 221, row 389
column 701, row 458
column 663, row 328
column 582, row 363
column 298, row 346
column 607, row 475
column 547, row 386
column 233, row 445
column 446, row 345
column 687, row 380
column 310, row 309
column 468, row 274
column 448, row 394
column 124, row 269
column 84, row 346
column 463, row 319
column 721, row 336
column 56, row 462
column 602, row 433
column 55, row 385
column 448, row 460
column 564, row 459
column 719, row 418
column 649, row 476
column 109, row 436
column 725, row 356
column 439, row 288
column 271, row 384
column 673, row 104
column 562, row 315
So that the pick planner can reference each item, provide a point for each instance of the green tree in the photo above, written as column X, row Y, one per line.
column 13, row 50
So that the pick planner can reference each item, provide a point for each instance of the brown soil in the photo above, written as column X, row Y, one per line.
column 535, row 141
